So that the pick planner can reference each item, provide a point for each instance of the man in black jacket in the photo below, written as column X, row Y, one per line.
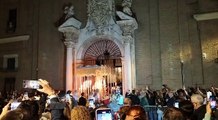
column 134, row 98
column 82, row 100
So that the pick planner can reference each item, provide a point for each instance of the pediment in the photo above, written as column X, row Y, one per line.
column 70, row 23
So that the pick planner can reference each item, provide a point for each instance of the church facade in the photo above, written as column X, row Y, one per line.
column 101, row 44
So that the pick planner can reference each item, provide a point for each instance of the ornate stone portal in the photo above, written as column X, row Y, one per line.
column 102, row 25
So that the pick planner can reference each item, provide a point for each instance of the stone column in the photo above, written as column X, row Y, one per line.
column 75, row 83
column 70, row 28
column 70, row 43
column 127, row 63
column 128, row 27
column 123, row 76
column 69, row 65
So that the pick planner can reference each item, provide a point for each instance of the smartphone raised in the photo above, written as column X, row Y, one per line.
column 91, row 103
column 103, row 114
column 176, row 104
column 209, row 94
column 14, row 105
column 31, row 84
column 212, row 102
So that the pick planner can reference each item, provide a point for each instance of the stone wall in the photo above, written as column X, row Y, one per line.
column 168, row 35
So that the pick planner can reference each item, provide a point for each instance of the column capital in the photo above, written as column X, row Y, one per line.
column 128, row 39
column 128, row 26
column 70, row 36
column 70, row 29
column 69, row 44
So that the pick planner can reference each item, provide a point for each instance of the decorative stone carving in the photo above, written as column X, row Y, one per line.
column 100, row 12
column 69, row 44
column 127, row 23
column 124, row 16
column 71, row 36
column 128, row 39
column 68, row 11
column 126, row 4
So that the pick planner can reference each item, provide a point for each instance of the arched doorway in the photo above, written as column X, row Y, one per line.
column 103, row 52
column 102, row 68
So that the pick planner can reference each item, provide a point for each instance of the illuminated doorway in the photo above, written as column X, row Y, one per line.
column 102, row 68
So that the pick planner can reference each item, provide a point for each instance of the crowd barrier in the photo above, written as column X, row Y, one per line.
column 155, row 112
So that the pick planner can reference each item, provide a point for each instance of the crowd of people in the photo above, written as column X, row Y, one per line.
column 46, row 103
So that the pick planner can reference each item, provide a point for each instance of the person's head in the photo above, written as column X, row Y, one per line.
column 45, row 116
column 181, row 94
column 128, row 92
column 80, row 113
column 187, row 108
column 14, row 115
column 133, row 91
column 136, row 113
column 29, row 108
column 62, row 95
column 127, row 101
column 197, row 100
column 83, row 94
column 31, row 95
column 118, row 91
column 170, row 94
column 122, row 112
column 69, row 92
column 142, row 93
column 173, row 113
column 164, row 86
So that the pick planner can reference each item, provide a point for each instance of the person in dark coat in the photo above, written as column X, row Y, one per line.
column 199, row 108
column 134, row 98
column 82, row 100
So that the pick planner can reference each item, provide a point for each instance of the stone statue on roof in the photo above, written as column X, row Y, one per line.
column 68, row 11
column 127, row 4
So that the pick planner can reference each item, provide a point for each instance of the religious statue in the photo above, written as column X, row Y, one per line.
column 126, row 4
column 69, row 11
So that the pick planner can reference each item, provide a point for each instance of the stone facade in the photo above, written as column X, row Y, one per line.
column 167, row 36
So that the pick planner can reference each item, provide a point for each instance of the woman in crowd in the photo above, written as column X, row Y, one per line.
column 173, row 113
column 136, row 113
column 80, row 113
column 187, row 108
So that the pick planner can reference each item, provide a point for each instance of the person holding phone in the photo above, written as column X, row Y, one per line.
column 14, row 105
column 5, row 109
column 208, row 113
column 91, row 100
column 56, row 106
column 103, row 114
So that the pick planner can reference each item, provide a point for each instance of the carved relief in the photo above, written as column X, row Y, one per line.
column 126, row 4
column 68, row 11
column 100, row 12
column 69, row 44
